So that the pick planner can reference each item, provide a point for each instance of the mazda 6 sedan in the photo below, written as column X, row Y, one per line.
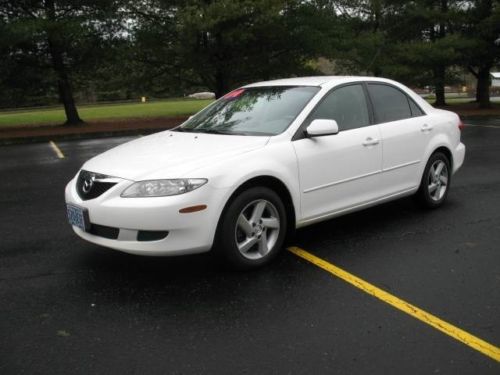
column 238, row 177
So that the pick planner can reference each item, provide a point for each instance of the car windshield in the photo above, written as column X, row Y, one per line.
column 252, row 111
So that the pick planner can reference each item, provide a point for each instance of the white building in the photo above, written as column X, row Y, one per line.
column 495, row 82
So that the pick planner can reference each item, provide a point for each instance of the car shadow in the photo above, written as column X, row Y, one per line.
column 202, row 279
column 392, row 219
column 129, row 279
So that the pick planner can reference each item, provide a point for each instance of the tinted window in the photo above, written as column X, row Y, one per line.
column 415, row 109
column 389, row 104
column 346, row 105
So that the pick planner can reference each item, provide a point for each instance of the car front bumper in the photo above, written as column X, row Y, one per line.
column 188, row 233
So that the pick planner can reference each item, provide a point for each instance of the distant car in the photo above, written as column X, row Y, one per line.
column 242, row 174
column 202, row 95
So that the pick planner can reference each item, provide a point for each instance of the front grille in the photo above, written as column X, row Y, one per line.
column 88, row 185
column 104, row 231
column 112, row 233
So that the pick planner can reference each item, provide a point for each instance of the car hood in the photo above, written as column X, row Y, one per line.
column 170, row 154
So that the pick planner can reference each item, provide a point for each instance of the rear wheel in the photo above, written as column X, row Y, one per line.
column 252, row 229
column 435, row 182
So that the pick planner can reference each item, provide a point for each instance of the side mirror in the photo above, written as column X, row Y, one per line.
column 319, row 127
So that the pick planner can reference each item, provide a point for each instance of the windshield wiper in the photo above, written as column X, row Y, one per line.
column 210, row 131
column 220, row 131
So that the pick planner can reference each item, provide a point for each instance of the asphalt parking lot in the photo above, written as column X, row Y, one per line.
column 68, row 306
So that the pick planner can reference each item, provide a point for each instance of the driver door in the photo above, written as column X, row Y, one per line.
column 341, row 171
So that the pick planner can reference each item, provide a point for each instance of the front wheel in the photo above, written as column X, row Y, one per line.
column 435, row 182
column 252, row 229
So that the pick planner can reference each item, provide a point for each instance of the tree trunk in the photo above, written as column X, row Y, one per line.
column 221, row 87
column 65, row 92
column 63, row 84
column 439, row 79
column 483, row 88
column 440, row 69
column 66, row 97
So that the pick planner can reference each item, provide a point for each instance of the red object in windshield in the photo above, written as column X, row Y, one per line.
column 234, row 94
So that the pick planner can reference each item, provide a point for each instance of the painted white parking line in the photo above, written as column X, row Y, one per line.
column 57, row 150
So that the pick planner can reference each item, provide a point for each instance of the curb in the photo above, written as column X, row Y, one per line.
column 78, row 136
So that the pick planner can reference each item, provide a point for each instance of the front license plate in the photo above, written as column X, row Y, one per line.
column 78, row 216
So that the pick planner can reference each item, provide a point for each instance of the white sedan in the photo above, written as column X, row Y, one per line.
column 243, row 173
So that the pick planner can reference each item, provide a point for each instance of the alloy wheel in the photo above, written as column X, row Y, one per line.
column 257, row 229
column 438, row 180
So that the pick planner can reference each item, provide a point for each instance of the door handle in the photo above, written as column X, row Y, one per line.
column 371, row 142
column 426, row 128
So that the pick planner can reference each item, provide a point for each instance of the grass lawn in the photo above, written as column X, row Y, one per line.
column 452, row 101
column 468, row 108
column 55, row 116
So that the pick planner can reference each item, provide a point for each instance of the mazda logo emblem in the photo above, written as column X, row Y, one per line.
column 87, row 185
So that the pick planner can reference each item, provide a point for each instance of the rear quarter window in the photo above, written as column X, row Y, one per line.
column 415, row 109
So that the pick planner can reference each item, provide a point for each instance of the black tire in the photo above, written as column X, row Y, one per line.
column 231, row 237
column 428, row 195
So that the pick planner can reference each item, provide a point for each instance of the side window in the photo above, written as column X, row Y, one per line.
column 346, row 105
column 389, row 104
column 415, row 109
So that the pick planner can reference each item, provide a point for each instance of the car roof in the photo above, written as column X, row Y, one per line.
column 313, row 81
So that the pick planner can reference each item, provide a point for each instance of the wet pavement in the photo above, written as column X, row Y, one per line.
column 68, row 306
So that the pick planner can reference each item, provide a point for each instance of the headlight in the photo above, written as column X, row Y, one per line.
column 162, row 188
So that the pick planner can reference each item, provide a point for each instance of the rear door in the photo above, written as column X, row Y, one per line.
column 340, row 171
column 405, row 132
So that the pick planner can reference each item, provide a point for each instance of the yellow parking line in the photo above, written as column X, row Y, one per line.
column 57, row 150
column 439, row 324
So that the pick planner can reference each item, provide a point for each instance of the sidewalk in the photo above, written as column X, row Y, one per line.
column 31, row 134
